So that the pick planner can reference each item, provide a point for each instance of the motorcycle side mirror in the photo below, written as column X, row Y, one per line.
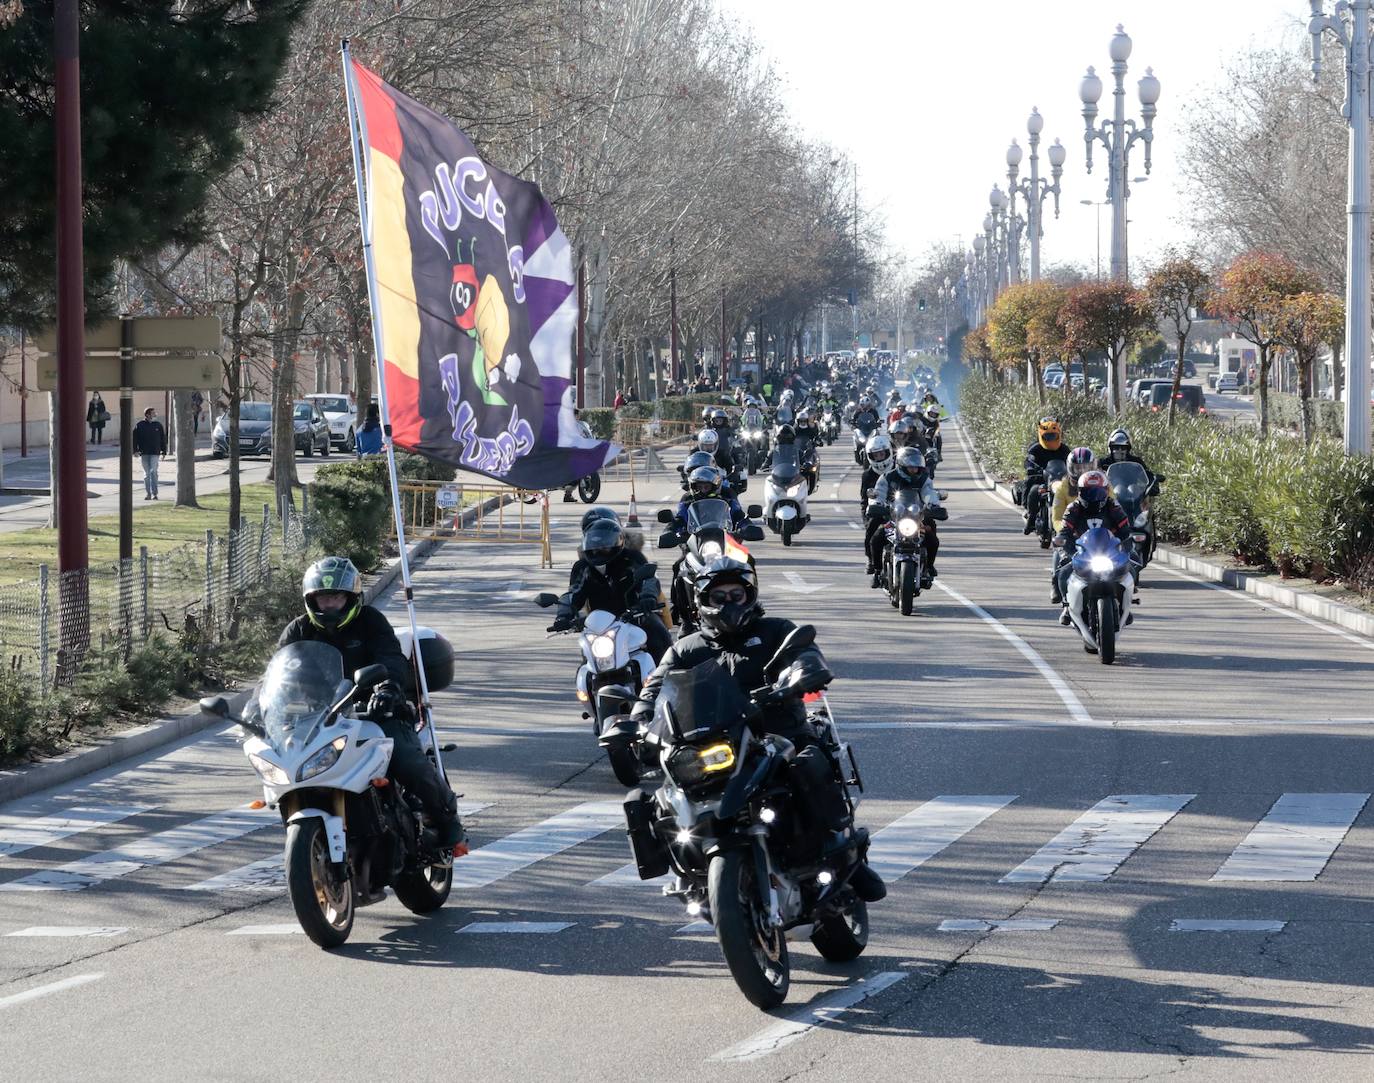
column 1057, row 542
column 369, row 676
column 943, row 494
column 645, row 572
column 803, row 677
column 751, row 533
column 215, row 705
column 800, row 637
column 664, row 515
column 544, row 600
column 668, row 540
column 754, row 511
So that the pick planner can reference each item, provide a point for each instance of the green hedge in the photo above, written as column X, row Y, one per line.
column 601, row 420
column 675, row 407
column 1270, row 502
column 1285, row 412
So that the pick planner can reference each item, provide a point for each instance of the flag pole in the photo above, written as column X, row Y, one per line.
column 357, row 135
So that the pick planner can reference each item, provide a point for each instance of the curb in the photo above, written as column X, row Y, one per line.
column 17, row 782
column 1300, row 601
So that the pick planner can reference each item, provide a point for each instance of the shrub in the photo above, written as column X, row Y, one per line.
column 350, row 509
column 601, row 420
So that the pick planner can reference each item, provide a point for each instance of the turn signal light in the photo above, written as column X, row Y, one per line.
column 381, row 783
column 257, row 804
column 460, row 849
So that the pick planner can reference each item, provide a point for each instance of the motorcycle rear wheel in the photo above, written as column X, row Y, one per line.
column 757, row 958
column 624, row 765
column 842, row 937
column 906, row 587
column 323, row 903
column 589, row 488
column 1106, row 630
column 424, row 890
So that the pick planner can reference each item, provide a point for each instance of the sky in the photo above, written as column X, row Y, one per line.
column 926, row 96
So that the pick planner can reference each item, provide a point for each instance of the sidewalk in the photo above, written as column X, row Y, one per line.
column 32, row 470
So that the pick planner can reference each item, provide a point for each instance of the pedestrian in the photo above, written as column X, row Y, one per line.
column 633, row 396
column 368, row 440
column 619, row 399
column 96, row 418
column 150, row 442
column 197, row 401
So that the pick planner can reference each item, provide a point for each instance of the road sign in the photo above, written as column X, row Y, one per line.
column 181, row 334
column 169, row 372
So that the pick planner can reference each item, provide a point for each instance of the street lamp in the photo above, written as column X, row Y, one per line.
column 991, row 262
column 1007, row 228
column 1034, row 188
column 1350, row 26
column 1099, row 204
column 1118, row 135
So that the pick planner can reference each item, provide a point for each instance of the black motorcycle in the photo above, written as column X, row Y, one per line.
column 902, row 566
column 1044, row 482
column 706, row 535
column 729, row 823
column 1133, row 488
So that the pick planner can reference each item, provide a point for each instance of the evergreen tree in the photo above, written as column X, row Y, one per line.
column 164, row 86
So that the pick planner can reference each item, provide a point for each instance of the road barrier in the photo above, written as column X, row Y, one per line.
column 461, row 511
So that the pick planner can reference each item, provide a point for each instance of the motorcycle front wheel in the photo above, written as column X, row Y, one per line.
column 842, row 937
column 624, row 764
column 1106, row 629
column 756, row 954
column 424, row 890
column 906, row 587
column 322, row 901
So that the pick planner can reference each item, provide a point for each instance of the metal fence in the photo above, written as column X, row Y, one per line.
column 48, row 625
column 462, row 511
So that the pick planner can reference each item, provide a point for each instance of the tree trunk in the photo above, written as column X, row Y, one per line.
column 1039, row 378
column 1178, row 378
column 1264, row 391
column 1337, row 372
column 1305, row 398
column 186, row 449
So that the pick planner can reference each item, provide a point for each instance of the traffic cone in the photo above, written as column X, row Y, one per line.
column 633, row 518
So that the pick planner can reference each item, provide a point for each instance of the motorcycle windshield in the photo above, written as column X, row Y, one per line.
column 906, row 502
column 1056, row 469
column 703, row 701
column 786, row 463
column 1129, row 484
column 866, row 424
column 300, row 685
column 1099, row 554
column 708, row 515
column 752, row 419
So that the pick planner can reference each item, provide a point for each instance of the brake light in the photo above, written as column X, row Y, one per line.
column 1154, row 409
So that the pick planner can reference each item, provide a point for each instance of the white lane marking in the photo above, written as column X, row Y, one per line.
column 1094, row 845
column 801, row 1023
column 915, row 838
column 627, row 876
column 71, row 930
column 695, row 927
column 155, row 850
column 1295, row 839
column 493, row 928
column 1269, row 607
column 508, row 855
column 265, row 930
column 799, row 585
column 47, row 990
column 1125, row 723
column 997, row 925
column 269, row 873
column 19, row 831
column 515, row 588
column 1208, row 925
column 1075, row 707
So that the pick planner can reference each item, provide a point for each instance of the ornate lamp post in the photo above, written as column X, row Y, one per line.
column 982, row 253
column 1008, row 228
column 1034, row 189
column 1350, row 26
column 1118, row 135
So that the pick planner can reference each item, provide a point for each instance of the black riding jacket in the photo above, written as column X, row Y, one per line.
column 1037, row 457
column 614, row 591
column 368, row 639
column 744, row 656
column 1129, row 457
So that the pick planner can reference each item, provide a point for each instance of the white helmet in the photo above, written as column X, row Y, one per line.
column 708, row 440
column 787, row 396
column 879, row 452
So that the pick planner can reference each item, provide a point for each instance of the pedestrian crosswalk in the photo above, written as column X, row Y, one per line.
column 1296, row 840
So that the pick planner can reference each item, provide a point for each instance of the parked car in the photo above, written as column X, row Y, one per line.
column 1166, row 368
column 1138, row 390
column 1228, row 381
column 339, row 412
column 255, row 431
column 311, row 428
column 1189, row 397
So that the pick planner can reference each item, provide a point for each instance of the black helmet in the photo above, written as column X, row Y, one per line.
column 1119, row 441
column 719, row 419
column 704, row 482
column 785, row 435
column 602, row 542
column 911, row 466
column 601, row 511
column 332, row 575
column 698, row 459
column 727, row 618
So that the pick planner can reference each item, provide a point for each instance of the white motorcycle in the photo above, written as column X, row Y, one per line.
column 614, row 668
column 784, row 494
column 351, row 832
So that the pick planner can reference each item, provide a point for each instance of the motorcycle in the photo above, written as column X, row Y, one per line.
column 861, row 432
column 1100, row 589
column 753, row 437
column 728, row 823
column 589, row 488
column 614, row 667
column 830, row 427
column 706, row 535
column 1132, row 488
column 902, row 568
column 1055, row 471
column 351, row 832
column 784, row 494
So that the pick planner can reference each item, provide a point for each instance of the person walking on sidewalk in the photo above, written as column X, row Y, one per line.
column 150, row 441
column 197, row 402
column 96, row 418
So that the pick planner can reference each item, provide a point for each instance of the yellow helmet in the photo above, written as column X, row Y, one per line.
column 1050, row 434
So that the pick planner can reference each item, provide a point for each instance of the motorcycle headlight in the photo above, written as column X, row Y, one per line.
column 689, row 765
column 322, row 760
column 906, row 527
column 717, row 758
column 1100, row 564
column 603, row 648
column 1143, row 519
column 268, row 771
column 711, row 550
column 793, row 490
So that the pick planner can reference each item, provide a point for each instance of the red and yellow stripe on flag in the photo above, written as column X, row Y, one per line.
column 399, row 308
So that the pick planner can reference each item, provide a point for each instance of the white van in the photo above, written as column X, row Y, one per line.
column 339, row 411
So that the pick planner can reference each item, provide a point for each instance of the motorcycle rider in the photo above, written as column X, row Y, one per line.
column 909, row 472
column 880, row 463
column 929, row 422
column 709, row 441
column 335, row 614
column 1049, row 445
column 1080, row 461
column 866, row 416
column 735, row 633
column 1093, row 506
column 604, row 576
column 1119, row 451
column 708, row 483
